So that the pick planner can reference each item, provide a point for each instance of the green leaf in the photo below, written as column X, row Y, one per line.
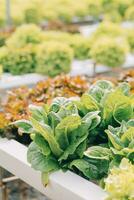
column 42, row 144
column 118, row 131
column 59, row 103
column 117, row 105
column 128, row 150
column 115, row 140
column 24, row 126
column 66, row 126
column 69, row 123
column 123, row 111
column 38, row 113
column 81, row 148
column 53, row 119
column 88, row 170
column 70, row 150
column 39, row 161
column 130, row 122
column 128, row 136
column 115, row 162
column 70, row 109
column 97, row 93
column 104, row 84
column 125, row 88
column 46, row 132
column 98, row 152
column 92, row 119
column 117, row 152
column 131, row 144
column 89, row 102
column 102, row 166
column 99, row 90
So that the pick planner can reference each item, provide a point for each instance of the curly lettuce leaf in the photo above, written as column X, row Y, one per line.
column 120, row 182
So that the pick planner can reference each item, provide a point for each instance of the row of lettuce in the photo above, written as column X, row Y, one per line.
column 29, row 49
column 93, row 136
column 36, row 11
column 15, row 105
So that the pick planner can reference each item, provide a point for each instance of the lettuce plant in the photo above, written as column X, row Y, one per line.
column 81, row 46
column 109, row 51
column 33, row 11
column 16, row 105
column 59, row 134
column 108, row 28
column 107, row 144
column 115, row 10
column 18, row 61
column 120, row 182
column 24, row 35
column 53, row 58
column 122, row 6
column 120, row 145
column 89, row 136
column 94, row 8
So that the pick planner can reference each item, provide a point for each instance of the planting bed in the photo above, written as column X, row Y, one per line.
column 91, row 155
column 62, row 185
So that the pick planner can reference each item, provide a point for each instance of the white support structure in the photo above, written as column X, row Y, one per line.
column 9, row 81
column 62, row 186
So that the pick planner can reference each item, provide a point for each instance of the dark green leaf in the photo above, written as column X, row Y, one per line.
column 42, row 144
column 88, row 170
column 40, row 162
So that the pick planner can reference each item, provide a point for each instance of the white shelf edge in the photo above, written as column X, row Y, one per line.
column 63, row 186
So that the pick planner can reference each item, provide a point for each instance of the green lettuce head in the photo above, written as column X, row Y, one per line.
column 109, row 51
column 27, row 34
column 59, row 134
column 120, row 182
column 53, row 58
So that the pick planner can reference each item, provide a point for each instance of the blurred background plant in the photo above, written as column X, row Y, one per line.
column 33, row 45
column 40, row 11
column 53, row 58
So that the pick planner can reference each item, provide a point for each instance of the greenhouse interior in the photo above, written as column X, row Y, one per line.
column 66, row 100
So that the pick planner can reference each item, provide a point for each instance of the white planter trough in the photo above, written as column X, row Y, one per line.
column 9, row 81
column 62, row 186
